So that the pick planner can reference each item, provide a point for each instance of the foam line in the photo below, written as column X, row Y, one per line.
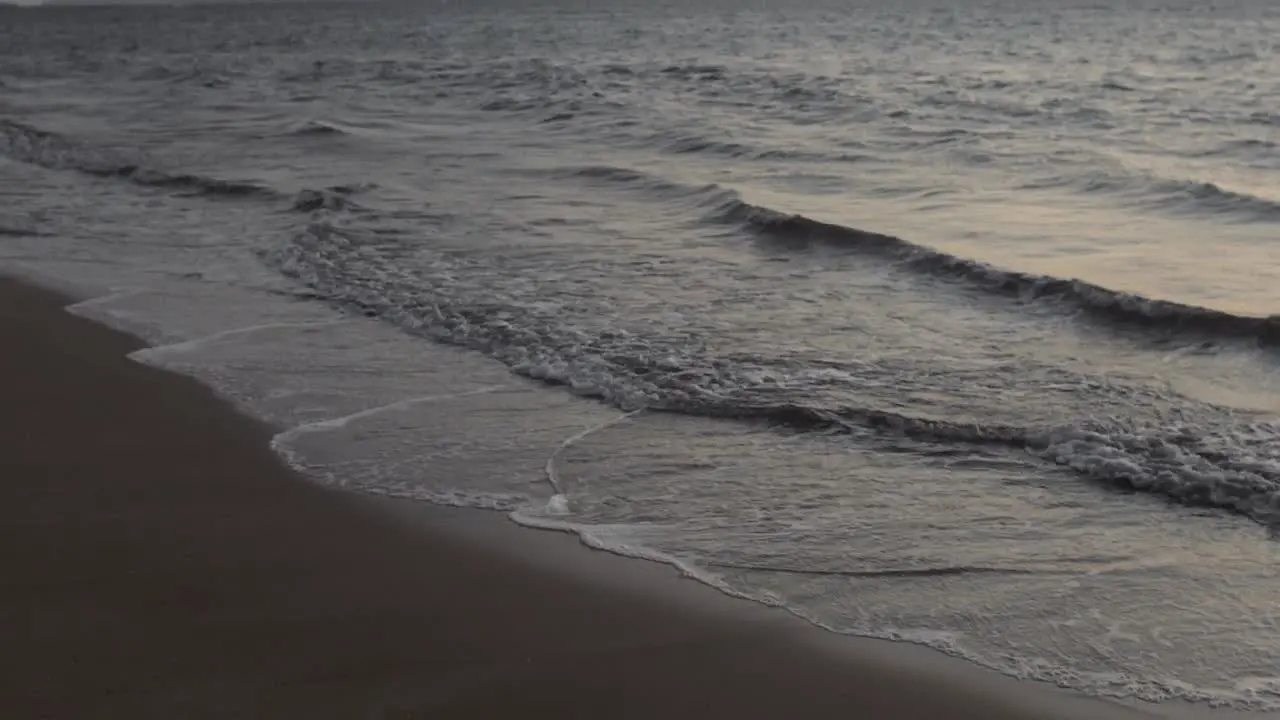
column 340, row 422
column 588, row 535
column 194, row 343
column 639, row 552
column 75, row 308
column 559, row 500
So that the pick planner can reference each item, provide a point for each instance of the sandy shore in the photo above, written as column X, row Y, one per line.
column 157, row 560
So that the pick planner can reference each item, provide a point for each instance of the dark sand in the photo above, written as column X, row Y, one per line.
column 157, row 560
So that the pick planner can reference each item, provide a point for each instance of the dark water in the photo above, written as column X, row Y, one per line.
column 951, row 323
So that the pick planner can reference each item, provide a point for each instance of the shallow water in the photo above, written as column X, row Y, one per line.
column 952, row 324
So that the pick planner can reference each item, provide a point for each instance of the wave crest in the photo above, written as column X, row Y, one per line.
column 318, row 128
column 1237, row 471
column 1112, row 306
column 1224, row 464
column 33, row 146
column 1185, row 196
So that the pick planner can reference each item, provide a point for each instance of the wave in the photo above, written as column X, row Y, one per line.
column 33, row 146
column 205, row 77
column 1243, row 147
column 708, row 196
column 1207, row 196
column 851, row 420
column 1221, row 463
column 695, row 71
column 694, row 145
column 1238, row 472
column 682, row 144
column 1174, row 196
column 1262, row 117
column 183, row 181
column 312, row 128
column 798, row 232
column 335, row 198
column 1094, row 300
column 1185, row 196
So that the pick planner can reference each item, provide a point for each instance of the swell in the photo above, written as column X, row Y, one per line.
column 1187, row 197
column 33, row 146
column 677, row 143
column 1209, row 197
column 1111, row 306
column 798, row 232
column 706, row 197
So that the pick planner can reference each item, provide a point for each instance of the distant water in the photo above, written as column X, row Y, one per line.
column 953, row 323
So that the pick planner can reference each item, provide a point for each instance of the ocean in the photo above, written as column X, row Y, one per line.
column 948, row 323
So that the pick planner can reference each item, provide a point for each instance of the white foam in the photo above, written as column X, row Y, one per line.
column 132, row 323
column 452, row 497
column 611, row 539
column 596, row 536
column 552, row 476
column 195, row 343
column 606, row 538
column 557, row 505
column 502, row 502
column 1256, row 688
column 78, row 308
column 339, row 422
column 585, row 375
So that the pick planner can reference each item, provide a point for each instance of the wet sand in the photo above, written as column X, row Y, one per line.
column 158, row 560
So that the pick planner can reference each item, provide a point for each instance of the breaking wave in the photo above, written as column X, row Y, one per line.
column 1231, row 465
column 333, row 198
column 31, row 145
column 1237, row 469
column 1239, row 472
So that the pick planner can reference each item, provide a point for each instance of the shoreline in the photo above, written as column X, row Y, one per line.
column 178, row 584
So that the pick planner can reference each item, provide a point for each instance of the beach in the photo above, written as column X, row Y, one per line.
column 594, row 356
column 159, row 560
